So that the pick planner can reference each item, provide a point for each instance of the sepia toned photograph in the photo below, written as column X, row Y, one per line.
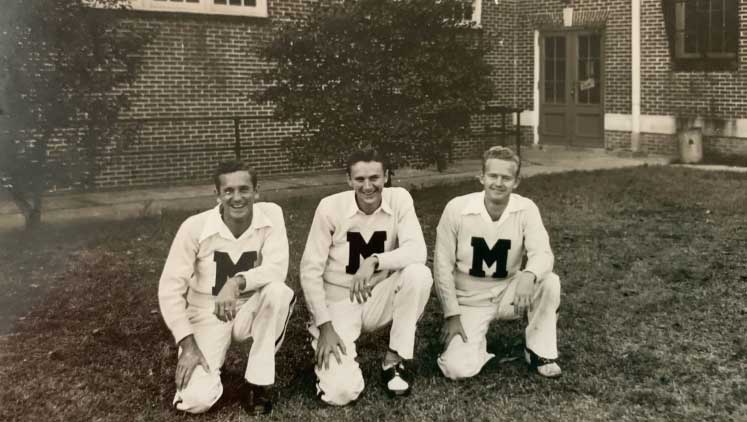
column 370, row 210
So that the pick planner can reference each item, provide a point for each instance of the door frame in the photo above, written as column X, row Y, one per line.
column 571, row 36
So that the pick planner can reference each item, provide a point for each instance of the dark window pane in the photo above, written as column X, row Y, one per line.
column 560, row 70
column 583, row 47
column 596, row 92
column 549, row 91
column 596, row 42
column 731, row 41
column 560, row 47
column 717, row 41
column 549, row 69
column 691, row 42
column 550, row 48
column 595, row 95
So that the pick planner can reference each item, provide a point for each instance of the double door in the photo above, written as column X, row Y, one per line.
column 572, row 89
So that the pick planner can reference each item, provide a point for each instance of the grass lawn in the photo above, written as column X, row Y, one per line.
column 653, row 263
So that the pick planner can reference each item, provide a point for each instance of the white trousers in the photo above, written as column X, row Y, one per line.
column 262, row 317
column 464, row 360
column 399, row 299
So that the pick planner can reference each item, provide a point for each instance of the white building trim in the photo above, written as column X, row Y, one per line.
column 665, row 125
column 202, row 6
column 618, row 122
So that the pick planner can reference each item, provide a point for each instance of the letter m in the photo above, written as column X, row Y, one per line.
column 225, row 268
column 498, row 255
column 359, row 247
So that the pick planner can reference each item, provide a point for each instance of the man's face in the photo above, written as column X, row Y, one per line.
column 236, row 195
column 499, row 180
column 367, row 178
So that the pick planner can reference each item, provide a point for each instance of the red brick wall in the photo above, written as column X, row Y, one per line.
column 200, row 72
column 724, row 146
column 660, row 144
column 616, row 140
column 664, row 92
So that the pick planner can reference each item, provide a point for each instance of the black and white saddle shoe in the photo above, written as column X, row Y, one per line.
column 547, row 368
column 398, row 380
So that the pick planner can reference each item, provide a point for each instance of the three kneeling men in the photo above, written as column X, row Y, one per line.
column 363, row 269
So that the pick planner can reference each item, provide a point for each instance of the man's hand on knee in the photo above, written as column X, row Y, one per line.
column 452, row 327
column 524, row 292
column 328, row 343
column 225, row 302
column 190, row 357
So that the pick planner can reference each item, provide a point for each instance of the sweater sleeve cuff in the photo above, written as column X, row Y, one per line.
column 385, row 263
column 539, row 272
column 321, row 315
column 321, row 320
column 180, row 330
column 451, row 309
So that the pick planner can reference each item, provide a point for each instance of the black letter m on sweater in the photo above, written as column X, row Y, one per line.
column 359, row 247
column 498, row 255
column 225, row 268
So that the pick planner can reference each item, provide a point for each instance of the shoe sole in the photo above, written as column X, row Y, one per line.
column 398, row 394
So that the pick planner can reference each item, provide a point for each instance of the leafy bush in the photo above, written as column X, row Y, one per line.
column 400, row 76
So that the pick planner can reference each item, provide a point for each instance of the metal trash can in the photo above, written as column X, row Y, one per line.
column 690, row 145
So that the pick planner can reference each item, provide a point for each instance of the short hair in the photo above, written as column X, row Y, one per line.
column 231, row 167
column 501, row 153
column 366, row 155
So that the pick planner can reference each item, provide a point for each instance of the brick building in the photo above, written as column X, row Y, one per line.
column 614, row 74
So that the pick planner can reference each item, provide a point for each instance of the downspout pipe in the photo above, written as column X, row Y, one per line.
column 635, row 70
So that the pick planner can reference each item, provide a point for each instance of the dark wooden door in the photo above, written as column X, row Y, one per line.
column 571, row 89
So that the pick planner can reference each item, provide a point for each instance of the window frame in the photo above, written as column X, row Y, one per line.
column 702, row 59
column 202, row 7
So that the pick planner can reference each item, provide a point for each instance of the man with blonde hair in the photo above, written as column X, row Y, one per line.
column 481, row 240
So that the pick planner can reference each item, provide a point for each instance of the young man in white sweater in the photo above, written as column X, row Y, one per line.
column 224, row 281
column 480, row 242
column 363, row 268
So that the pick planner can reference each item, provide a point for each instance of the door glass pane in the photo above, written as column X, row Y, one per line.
column 549, row 92
column 549, row 69
column 549, row 47
column 560, row 79
column 560, row 71
column 554, row 76
column 589, row 69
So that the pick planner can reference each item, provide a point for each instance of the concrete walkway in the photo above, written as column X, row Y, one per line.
column 118, row 205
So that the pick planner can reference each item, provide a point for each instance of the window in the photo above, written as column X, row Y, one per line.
column 704, row 34
column 220, row 7
column 555, row 70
